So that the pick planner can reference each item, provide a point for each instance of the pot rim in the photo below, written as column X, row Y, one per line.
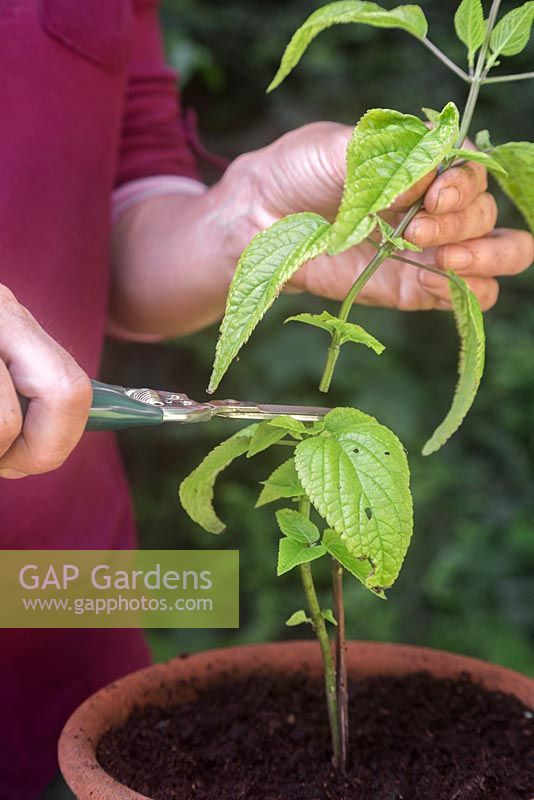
column 112, row 704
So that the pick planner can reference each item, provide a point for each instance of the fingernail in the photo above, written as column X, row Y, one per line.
column 448, row 199
column 423, row 231
column 456, row 257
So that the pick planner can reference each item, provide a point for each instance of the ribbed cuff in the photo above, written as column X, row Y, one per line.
column 134, row 192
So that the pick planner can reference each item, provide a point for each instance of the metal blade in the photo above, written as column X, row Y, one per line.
column 235, row 409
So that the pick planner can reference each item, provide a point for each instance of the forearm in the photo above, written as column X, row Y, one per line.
column 173, row 256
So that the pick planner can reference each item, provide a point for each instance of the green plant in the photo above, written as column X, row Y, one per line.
column 349, row 467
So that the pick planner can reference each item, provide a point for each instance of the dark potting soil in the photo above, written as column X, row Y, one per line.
column 266, row 738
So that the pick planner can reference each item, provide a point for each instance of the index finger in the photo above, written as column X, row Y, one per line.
column 407, row 199
column 456, row 188
column 59, row 394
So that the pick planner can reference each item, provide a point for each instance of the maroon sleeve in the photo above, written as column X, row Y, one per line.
column 153, row 140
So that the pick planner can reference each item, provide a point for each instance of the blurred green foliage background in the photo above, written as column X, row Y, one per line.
column 467, row 584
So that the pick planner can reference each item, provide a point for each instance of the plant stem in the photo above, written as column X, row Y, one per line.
column 419, row 265
column 319, row 627
column 383, row 253
column 445, row 59
column 341, row 664
column 479, row 75
column 387, row 248
column 449, row 276
column 488, row 63
column 521, row 76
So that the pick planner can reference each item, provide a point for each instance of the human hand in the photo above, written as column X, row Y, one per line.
column 36, row 367
column 304, row 171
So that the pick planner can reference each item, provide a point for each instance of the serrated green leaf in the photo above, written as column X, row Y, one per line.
column 511, row 34
column 343, row 419
column 480, row 158
column 268, row 262
column 264, row 437
column 356, row 475
column 298, row 618
column 388, row 153
column 282, row 483
column 347, row 331
column 483, row 141
column 291, row 554
column 196, row 491
column 470, row 27
column 517, row 158
column 296, row 526
column 471, row 363
column 409, row 18
column 361, row 569
column 328, row 615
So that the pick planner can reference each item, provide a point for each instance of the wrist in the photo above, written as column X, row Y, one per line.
column 232, row 211
column 192, row 245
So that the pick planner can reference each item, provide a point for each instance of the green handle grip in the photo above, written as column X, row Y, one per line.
column 113, row 410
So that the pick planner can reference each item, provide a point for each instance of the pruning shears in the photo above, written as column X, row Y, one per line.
column 116, row 407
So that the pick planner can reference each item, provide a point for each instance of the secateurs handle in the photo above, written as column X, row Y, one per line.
column 115, row 408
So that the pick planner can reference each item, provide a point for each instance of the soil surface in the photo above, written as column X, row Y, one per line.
column 266, row 738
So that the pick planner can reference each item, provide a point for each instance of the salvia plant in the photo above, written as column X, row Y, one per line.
column 352, row 470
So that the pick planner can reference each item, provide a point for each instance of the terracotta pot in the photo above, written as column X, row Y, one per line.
column 165, row 683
